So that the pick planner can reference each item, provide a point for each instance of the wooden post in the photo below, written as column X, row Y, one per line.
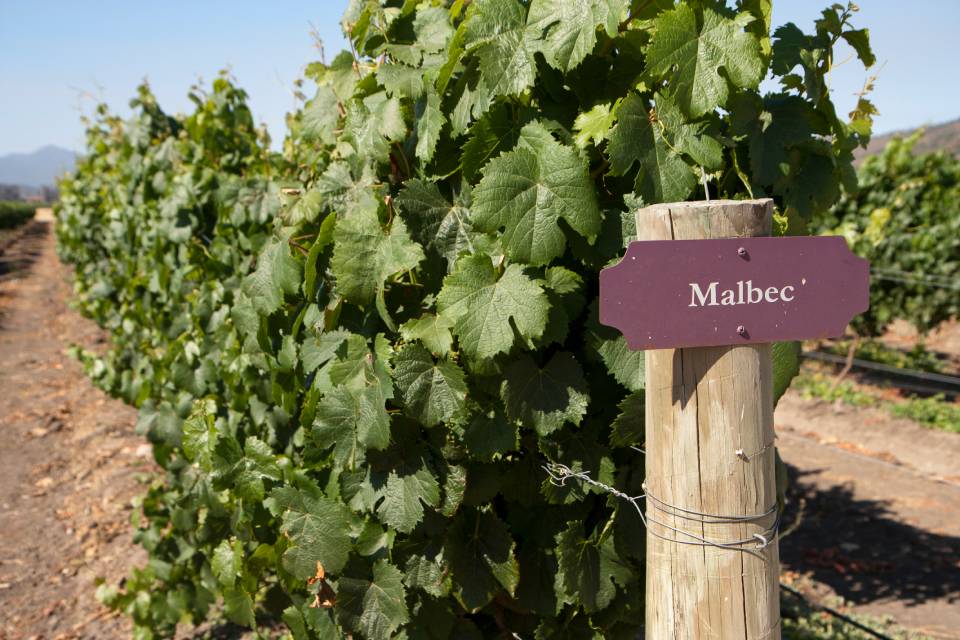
column 710, row 450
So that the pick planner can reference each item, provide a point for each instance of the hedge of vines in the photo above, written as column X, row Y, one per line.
column 14, row 213
column 906, row 221
column 354, row 357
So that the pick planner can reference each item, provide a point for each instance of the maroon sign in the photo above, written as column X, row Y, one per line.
column 667, row 294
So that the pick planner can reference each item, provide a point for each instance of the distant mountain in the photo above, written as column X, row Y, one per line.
column 936, row 137
column 37, row 169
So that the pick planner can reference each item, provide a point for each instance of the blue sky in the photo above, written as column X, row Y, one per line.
column 58, row 58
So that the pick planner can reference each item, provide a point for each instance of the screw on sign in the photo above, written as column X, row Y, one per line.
column 704, row 292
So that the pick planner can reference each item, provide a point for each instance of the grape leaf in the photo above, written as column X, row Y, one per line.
column 365, row 255
column 432, row 330
column 318, row 529
column 431, row 392
column 527, row 191
column 438, row 224
column 663, row 175
column 593, row 125
column 496, row 33
column 490, row 433
column 374, row 608
column 321, row 115
column 546, row 398
column 401, row 508
column 401, row 80
column 610, row 347
column 481, row 555
column 351, row 421
column 786, row 365
column 238, row 607
column 567, row 29
column 498, row 130
column 588, row 569
column 317, row 350
column 628, row 427
column 227, row 562
column 483, row 305
column 277, row 273
column 691, row 56
column 430, row 121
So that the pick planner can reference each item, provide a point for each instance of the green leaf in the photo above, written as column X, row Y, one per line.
column 303, row 208
column 485, row 308
column 859, row 40
column 498, row 130
column 628, row 428
column 496, row 34
column 567, row 29
column 366, row 255
column 786, row 365
column 227, row 562
column 690, row 138
column 401, row 80
column 691, row 56
column 317, row 350
column 404, row 495
column 663, row 175
column 318, row 529
column 438, row 224
column 200, row 434
column 588, row 569
column 593, row 125
column 321, row 116
column 432, row 330
column 430, row 121
column 277, row 273
column 527, row 191
column 546, row 398
column 481, row 555
column 432, row 28
column 431, row 392
column 374, row 608
column 429, row 573
column 490, row 433
column 610, row 347
column 351, row 421
column 238, row 607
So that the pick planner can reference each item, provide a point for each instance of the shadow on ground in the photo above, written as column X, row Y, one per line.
column 860, row 550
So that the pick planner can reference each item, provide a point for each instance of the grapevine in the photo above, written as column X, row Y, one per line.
column 355, row 357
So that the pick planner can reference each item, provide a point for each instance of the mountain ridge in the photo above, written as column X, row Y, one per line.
column 39, row 168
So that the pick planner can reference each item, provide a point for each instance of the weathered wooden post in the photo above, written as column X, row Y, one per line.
column 711, row 512
column 709, row 417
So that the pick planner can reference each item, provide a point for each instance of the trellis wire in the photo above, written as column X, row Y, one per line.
column 561, row 473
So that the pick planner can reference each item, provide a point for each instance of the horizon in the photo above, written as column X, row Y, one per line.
column 47, row 89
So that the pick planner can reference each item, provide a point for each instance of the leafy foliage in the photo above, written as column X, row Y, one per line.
column 14, row 213
column 354, row 357
column 906, row 220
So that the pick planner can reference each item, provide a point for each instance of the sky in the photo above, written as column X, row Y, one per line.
column 59, row 59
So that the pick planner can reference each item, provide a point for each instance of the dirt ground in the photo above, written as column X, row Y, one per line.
column 69, row 460
column 874, row 514
column 875, row 502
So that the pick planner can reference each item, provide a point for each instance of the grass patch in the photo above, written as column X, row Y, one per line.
column 917, row 358
column 801, row 622
column 934, row 412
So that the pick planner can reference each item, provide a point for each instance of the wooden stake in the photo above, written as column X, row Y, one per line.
column 710, row 449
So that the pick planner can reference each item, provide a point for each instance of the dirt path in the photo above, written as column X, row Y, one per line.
column 68, row 460
column 878, row 502
column 878, row 499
